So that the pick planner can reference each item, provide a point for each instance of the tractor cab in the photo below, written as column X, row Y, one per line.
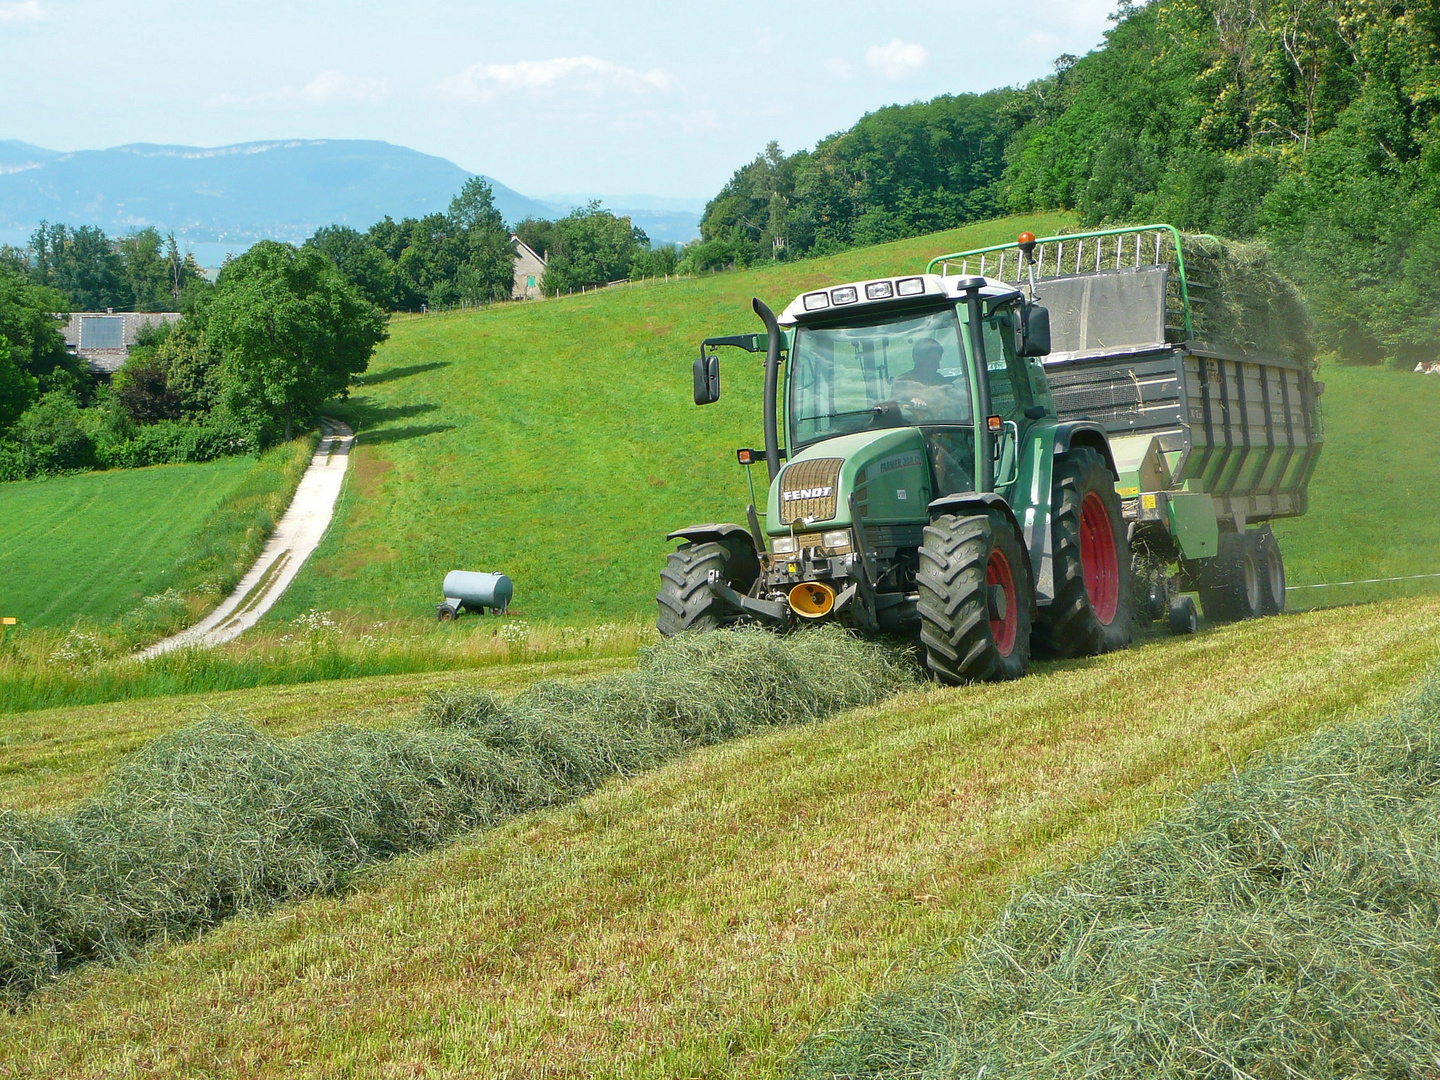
column 901, row 353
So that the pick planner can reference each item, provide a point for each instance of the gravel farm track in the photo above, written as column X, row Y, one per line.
column 296, row 536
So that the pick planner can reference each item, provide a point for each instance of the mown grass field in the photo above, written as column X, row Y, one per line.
column 51, row 757
column 700, row 920
column 97, row 543
column 558, row 441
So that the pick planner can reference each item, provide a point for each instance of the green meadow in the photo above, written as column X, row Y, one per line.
column 707, row 916
column 97, row 543
column 557, row 441
column 703, row 918
column 1372, row 501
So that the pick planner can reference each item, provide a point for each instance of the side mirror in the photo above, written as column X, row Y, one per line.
column 707, row 379
column 1036, row 335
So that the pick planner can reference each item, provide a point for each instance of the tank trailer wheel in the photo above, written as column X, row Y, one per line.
column 686, row 600
column 975, row 598
column 1091, row 612
column 1232, row 584
column 445, row 613
column 1272, row 571
column 1184, row 618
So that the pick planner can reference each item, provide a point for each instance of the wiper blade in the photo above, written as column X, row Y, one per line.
column 837, row 415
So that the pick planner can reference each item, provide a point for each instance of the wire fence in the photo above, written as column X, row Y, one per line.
column 1361, row 581
column 1325, row 594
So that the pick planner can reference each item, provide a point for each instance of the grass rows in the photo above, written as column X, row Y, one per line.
column 702, row 918
column 221, row 818
column 1285, row 923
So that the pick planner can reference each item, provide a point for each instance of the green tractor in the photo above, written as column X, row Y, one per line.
column 921, row 482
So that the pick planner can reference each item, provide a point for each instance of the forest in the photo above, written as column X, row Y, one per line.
column 1312, row 125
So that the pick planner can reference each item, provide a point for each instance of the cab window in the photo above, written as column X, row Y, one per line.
column 1009, row 381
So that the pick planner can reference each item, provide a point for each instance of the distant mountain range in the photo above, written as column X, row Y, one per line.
column 223, row 199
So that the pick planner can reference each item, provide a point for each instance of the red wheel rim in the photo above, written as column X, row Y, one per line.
column 1099, row 558
column 1002, row 631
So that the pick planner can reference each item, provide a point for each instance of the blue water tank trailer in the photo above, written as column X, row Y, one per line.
column 473, row 590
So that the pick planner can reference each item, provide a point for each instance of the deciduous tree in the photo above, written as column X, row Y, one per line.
column 293, row 333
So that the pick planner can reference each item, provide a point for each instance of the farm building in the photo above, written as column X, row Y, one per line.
column 529, row 272
column 104, row 338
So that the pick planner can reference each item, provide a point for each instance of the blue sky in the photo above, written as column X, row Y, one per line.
column 550, row 96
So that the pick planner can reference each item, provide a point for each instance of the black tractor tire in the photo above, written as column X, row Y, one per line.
column 975, row 599
column 1184, row 619
column 686, row 600
column 1092, row 611
column 1232, row 584
column 1272, row 572
column 445, row 613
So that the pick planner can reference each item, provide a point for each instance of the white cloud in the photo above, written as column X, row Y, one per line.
column 897, row 59
column 837, row 67
column 330, row 86
column 586, row 74
column 327, row 88
column 22, row 12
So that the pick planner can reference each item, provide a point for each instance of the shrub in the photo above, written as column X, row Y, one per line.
column 174, row 441
column 50, row 436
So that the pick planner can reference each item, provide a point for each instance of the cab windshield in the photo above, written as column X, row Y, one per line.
column 893, row 373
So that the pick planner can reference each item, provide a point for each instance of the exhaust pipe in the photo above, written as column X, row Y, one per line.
column 772, row 386
column 812, row 599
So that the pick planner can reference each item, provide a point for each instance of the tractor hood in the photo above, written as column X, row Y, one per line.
column 888, row 471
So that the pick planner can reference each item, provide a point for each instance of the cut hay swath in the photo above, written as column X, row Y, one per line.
column 1285, row 924
column 1238, row 298
column 221, row 818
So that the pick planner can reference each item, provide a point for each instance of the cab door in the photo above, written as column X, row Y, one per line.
column 1010, row 396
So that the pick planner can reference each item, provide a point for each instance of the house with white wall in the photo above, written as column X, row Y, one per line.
column 529, row 272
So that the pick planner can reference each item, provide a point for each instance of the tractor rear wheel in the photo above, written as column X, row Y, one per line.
column 1232, row 584
column 1091, row 611
column 975, row 598
column 686, row 600
column 1272, row 571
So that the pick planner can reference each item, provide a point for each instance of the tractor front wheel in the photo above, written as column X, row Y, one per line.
column 975, row 597
column 686, row 600
column 1091, row 611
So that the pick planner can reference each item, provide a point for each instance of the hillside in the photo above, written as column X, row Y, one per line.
column 558, row 442
column 281, row 190
column 703, row 918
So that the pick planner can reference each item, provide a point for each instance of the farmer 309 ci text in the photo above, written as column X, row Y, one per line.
column 923, row 478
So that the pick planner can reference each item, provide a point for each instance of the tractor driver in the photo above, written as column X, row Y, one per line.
column 924, row 395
